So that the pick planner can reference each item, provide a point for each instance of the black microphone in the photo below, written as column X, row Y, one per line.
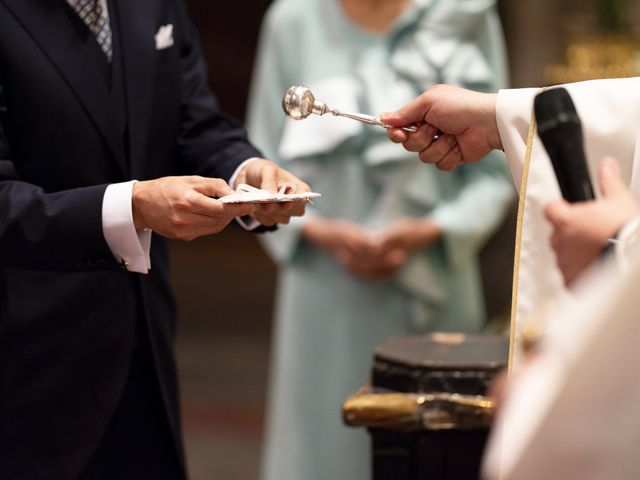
column 560, row 130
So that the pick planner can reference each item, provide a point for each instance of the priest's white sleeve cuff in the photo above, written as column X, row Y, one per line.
column 248, row 222
column 129, row 246
column 513, row 116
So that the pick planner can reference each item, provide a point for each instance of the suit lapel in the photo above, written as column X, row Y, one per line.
column 76, row 55
column 137, row 32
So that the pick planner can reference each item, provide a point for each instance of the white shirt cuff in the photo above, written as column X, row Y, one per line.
column 129, row 246
column 234, row 177
column 248, row 222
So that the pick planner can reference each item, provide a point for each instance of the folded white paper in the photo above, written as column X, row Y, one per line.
column 248, row 194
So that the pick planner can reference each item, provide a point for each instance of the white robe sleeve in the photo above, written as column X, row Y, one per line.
column 610, row 114
column 573, row 413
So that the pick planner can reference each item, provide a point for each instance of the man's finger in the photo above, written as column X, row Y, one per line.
column 239, row 209
column 397, row 135
column 438, row 149
column 293, row 186
column 276, row 216
column 203, row 226
column 555, row 241
column 611, row 180
column 213, row 187
column 421, row 139
column 201, row 204
column 451, row 160
column 412, row 113
column 274, row 209
column 189, row 226
column 269, row 179
column 265, row 220
column 292, row 209
column 556, row 212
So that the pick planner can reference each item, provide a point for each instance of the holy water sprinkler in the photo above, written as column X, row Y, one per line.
column 298, row 102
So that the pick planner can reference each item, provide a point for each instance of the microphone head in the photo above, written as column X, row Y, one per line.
column 560, row 130
column 554, row 107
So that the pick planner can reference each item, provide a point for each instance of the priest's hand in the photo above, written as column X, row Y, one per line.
column 581, row 230
column 266, row 175
column 182, row 207
column 455, row 126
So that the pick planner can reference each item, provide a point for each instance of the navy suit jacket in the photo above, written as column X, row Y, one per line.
column 68, row 311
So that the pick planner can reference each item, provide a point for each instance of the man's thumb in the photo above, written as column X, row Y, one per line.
column 412, row 113
column 611, row 182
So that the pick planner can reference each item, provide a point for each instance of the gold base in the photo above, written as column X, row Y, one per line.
column 417, row 411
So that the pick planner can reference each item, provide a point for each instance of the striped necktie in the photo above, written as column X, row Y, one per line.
column 95, row 15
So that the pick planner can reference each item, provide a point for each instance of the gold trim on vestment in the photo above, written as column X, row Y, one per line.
column 519, row 228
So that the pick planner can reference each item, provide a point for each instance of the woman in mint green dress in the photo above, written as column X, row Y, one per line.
column 391, row 247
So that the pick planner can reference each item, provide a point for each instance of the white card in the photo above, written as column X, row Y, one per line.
column 248, row 194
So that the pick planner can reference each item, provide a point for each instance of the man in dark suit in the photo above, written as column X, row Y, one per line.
column 95, row 94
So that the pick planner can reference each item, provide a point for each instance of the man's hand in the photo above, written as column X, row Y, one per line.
column 181, row 207
column 581, row 230
column 463, row 120
column 266, row 175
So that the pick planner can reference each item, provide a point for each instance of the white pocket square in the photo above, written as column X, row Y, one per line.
column 164, row 37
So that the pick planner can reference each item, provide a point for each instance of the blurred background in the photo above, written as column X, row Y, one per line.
column 225, row 284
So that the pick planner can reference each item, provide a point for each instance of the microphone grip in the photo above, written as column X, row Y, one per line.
column 566, row 151
column 560, row 130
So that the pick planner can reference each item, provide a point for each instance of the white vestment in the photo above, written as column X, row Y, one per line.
column 573, row 412
column 610, row 115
